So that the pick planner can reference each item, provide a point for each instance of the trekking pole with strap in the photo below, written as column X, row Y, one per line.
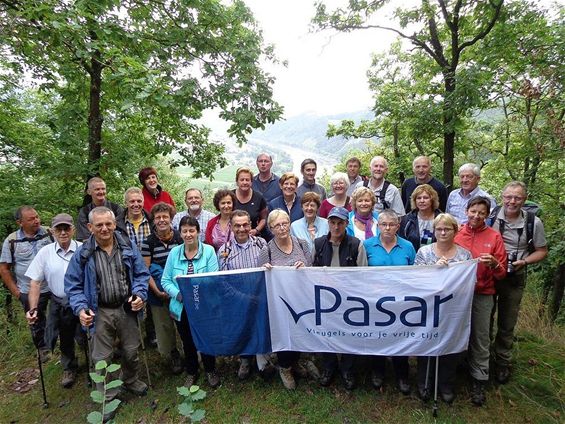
column 36, row 343
column 435, row 408
column 88, row 352
column 133, row 298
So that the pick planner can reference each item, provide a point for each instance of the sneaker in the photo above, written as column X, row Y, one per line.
column 213, row 379
column 326, row 377
column 176, row 363
column 287, row 378
column 403, row 386
column 377, row 380
column 138, row 388
column 44, row 355
column 478, row 397
column 348, row 380
column 69, row 377
column 502, row 374
column 244, row 369
column 190, row 380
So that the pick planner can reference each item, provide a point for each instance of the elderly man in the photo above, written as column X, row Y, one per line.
column 338, row 249
column 50, row 265
column 469, row 177
column 97, row 191
column 524, row 239
column 106, row 283
column 422, row 167
column 353, row 166
column 136, row 221
column 194, row 201
column 387, row 194
column 239, row 253
column 265, row 182
column 18, row 250
column 387, row 249
column 308, row 168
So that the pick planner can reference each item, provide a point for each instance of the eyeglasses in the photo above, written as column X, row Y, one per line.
column 444, row 230
column 237, row 226
column 387, row 224
column 281, row 226
column 515, row 198
column 61, row 228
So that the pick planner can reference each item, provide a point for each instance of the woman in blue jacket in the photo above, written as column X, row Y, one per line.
column 192, row 257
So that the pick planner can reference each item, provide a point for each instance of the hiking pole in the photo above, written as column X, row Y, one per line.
column 426, row 386
column 33, row 312
column 435, row 408
column 137, row 314
column 87, row 352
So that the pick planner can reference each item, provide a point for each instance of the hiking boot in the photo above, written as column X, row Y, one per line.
column 299, row 370
column 287, row 378
column 377, row 380
column 244, row 369
column 502, row 374
column 423, row 392
column 348, row 380
column 403, row 386
column 190, row 380
column 44, row 355
column 268, row 372
column 138, row 388
column 312, row 370
column 478, row 397
column 326, row 377
column 176, row 363
column 69, row 377
column 213, row 379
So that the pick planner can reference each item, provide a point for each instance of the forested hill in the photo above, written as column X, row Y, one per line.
column 308, row 131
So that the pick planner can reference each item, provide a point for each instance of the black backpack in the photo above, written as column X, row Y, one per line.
column 382, row 193
column 530, row 220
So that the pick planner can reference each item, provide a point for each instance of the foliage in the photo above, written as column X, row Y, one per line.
column 186, row 408
column 99, row 396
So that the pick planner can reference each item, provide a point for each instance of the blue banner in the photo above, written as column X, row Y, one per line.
column 227, row 312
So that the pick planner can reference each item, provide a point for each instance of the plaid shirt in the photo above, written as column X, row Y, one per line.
column 143, row 231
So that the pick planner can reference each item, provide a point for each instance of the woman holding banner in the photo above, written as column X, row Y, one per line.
column 443, row 252
column 284, row 250
column 191, row 257
column 487, row 246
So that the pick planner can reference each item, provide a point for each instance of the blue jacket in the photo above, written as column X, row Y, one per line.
column 177, row 264
column 80, row 279
column 349, row 229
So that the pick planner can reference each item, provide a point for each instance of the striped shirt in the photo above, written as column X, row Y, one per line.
column 202, row 219
column 113, row 286
column 158, row 251
column 233, row 255
column 276, row 257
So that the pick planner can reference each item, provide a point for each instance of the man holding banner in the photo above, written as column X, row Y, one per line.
column 337, row 249
column 387, row 249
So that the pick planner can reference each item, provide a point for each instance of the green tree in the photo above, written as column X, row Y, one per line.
column 443, row 31
column 134, row 77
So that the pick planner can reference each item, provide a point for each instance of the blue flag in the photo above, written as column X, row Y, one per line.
column 227, row 312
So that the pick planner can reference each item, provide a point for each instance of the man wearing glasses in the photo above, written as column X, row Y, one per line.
column 524, row 240
column 50, row 265
column 387, row 249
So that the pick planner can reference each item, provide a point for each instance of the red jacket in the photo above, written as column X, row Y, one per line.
column 484, row 240
column 149, row 200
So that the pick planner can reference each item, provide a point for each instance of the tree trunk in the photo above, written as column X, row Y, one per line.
column 448, row 128
column 557, row 295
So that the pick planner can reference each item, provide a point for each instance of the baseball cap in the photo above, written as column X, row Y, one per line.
column 339, row 212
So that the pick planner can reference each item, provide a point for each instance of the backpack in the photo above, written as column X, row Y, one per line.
column 13, row 240
column 382, row 193
column 531, row 213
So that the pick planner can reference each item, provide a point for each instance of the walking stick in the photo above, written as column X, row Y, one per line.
column 435, row 408
column 87, row 352
column 36, row 343
column 134, row 297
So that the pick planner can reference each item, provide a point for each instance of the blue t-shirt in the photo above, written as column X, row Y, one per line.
column 402, row 253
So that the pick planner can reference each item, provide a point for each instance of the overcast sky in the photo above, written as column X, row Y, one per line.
column 326, row 71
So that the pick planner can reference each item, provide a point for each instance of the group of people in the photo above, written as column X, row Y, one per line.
column 125, row 259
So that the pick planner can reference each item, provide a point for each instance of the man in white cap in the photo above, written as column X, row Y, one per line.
column 50, row 265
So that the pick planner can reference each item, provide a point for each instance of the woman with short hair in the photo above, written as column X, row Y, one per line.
column 363, row 218
column 218, row 230
column 339, row 183
column 311, row 226
column 417, row 226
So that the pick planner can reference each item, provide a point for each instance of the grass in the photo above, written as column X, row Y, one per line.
column 534, row 395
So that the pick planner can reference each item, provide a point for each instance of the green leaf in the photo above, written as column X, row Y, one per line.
column 199, row 395
column 185, row 409
column 198, row 415
column 113, row 367
column 97, row 396
column 100, row 365
column 111, row 406
column 97, row 378
column 183, row 391
column 95, row 417
column 194, row 388
column 113, row 384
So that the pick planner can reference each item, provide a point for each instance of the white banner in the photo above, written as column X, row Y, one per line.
column 403, row 310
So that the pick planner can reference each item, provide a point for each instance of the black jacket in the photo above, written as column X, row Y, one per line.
column 348, row 251
column 410, row 230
